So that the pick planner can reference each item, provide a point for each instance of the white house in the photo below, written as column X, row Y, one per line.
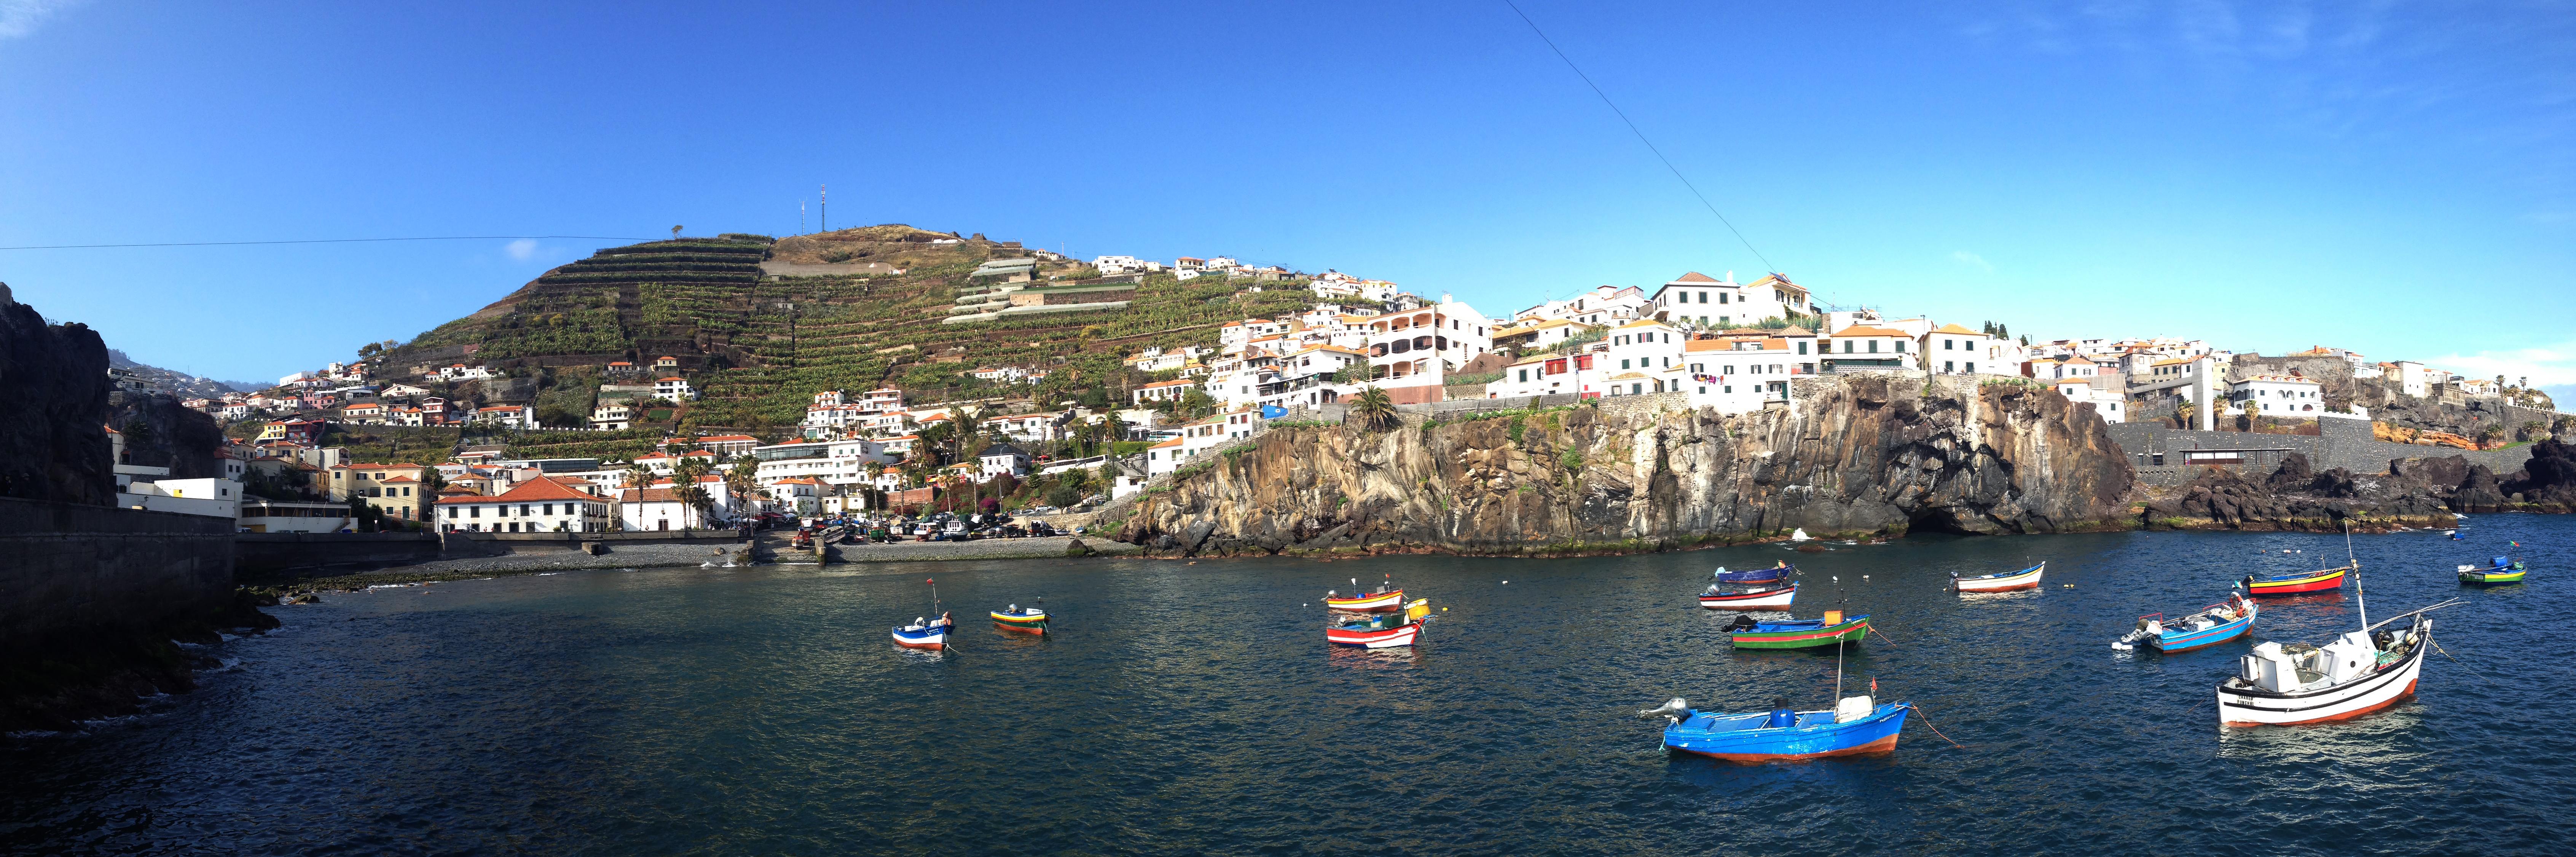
column 1954, row 350
column 1869, row 348
column 1161, row 391
column 1550, row 375
column 2277, row 396
column 508, row 416
column 2111, row 405
column 673, row 389
column 1644, row 345
column 462, row 372
column 541, row 505
column 2058, row 368
column 1709, row 303
column 1002, row 458
column 209, row 497
column 612, row 416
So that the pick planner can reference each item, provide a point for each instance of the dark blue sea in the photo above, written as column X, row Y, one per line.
column 1184, row 708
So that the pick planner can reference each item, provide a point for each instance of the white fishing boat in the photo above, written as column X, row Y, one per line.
column 2357, row 673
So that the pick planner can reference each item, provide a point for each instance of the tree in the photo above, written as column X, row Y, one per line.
column 685, row 487
column 1375, row 409
column 744, row 478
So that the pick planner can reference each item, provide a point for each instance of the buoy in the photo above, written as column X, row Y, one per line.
column 1838, row 578
column 1507, row 583
column 1444, row 609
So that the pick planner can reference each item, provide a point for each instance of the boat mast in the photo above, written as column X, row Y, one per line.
column 2360, row 595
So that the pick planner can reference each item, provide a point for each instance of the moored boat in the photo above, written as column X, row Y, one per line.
column 2499, row 570
column 1759, row 575
column 1031, row 620
column 1387, row 597
column 1750, row 598
column 2356, row 674
column 2215, row 624
column 2027, row 578
column 1856, row 725
column 1747, row 633
column 1386, row 631
column 925, row 634
column 2294, row 584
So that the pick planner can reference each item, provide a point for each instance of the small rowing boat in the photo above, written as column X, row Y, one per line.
column 1752, row 598
column 1748, row 633
column 2215, row 624
column 2027, row 578
column 1857, row 725
column 1385, row 631
column 1031, row 620
column 926, row 633
column 1387, row 597
column 2294, row 584
column 1759, row 575
column 2500, row 570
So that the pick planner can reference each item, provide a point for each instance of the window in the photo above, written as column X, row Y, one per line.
column 1802, row 348
column 1623, row 364
column 1721, row 297
column 1945, row 344
column 1972, row 368
column 1873, row 346
column 1729, row 388
column 474, row 512
column 1900, row 346
column 1946, row 367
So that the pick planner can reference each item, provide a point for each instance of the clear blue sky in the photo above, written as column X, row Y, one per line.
column 2396, row 178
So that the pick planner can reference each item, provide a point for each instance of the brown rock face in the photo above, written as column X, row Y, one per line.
column 1865, row 455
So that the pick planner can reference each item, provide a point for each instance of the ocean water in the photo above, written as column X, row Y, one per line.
column 1186, row 708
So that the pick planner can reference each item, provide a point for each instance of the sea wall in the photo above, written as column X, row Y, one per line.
column 263, row 553
column 1857, row 455
column 71, row 572
column 2346, row 444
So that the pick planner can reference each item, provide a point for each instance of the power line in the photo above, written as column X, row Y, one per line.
column 1641, row 135
column 333, row 241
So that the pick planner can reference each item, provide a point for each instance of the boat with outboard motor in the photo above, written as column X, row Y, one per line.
column 926, row 633
column 1749, row 633
column 1031, row 620
column 2027, row 578
column 2499, row 570
column 1856, row 725
column 1387, row 597
column 1749, row 598
column 2215, row 624
column 2295, row 584
column 1383, row 631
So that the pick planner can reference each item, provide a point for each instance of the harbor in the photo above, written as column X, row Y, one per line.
column 677, row 710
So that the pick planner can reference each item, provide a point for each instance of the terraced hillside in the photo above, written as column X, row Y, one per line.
column 758, row 346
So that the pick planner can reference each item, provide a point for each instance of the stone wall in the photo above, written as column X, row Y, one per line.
column 2347, row 444
column 70, row 571
column 256, row 553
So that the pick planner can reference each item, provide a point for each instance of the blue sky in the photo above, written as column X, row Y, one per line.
column 2395, row 178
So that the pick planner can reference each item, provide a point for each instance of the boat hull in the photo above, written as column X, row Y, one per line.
column 929, row 638
column 1876, row 733
column 1850, row 632
column 1026, row 623
column 2482, row 579
column 2025, row 579
column 2292, row 586
column 1759, row 575
column 1396, row 637
column 1378, row 602
column 1767, row 600
column 2171, row 643
column 2389, row 686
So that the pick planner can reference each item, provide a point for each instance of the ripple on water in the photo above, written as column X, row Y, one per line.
column 1193, row 709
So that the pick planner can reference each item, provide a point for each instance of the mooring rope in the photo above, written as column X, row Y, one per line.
column 1927, row 724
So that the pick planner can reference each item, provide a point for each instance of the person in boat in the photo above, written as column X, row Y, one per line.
column 1781, row 716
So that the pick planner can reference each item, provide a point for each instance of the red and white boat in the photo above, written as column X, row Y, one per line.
column 1758, row 598
column 1381, row 632
column 1386, row 598
column 2027, row 578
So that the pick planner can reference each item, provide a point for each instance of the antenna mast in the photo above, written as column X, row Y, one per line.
column 826, row 212
column 2360, row 594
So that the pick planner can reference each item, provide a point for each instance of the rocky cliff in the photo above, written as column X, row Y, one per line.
column 1854, row 456
column 53, row 399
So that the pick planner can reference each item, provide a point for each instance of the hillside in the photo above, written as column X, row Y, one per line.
column 178, row 383
column 854, row 309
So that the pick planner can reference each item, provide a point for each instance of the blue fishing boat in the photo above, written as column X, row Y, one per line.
column 1759, row 575
column 2215, row 624
column 1856, row 725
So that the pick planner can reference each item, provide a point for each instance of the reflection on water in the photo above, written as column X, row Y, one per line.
column 1187, row 709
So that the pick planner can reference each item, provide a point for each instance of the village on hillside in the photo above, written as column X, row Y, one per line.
column 472, row 445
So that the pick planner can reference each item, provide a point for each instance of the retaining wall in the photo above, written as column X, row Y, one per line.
column 2341, row 443
column 68, row 569
column 263, row 552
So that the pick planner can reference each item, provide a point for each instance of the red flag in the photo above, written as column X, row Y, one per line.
column 1873, row 685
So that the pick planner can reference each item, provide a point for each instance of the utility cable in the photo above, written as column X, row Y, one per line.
column 1641, row 135
column 334, row 241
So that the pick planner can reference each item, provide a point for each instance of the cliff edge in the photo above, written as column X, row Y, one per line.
column 1854, row 456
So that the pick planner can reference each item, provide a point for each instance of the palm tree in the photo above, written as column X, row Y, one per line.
column 744, row 478
column 685, row 487
column 1375, row 409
